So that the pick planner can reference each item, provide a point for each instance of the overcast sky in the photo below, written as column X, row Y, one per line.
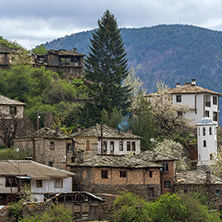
column 32, row 22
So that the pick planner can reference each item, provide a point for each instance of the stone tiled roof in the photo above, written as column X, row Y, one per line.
column 46, row 133
column 30, row 168
column 115, row 161
column 108, row 132
column 7, row 101
column 65, row 52
column 188, row 89
column 150, row 155
column 195, row 177
column 6, row 50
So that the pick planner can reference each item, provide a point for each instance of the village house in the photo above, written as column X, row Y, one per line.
column 69, row 63
column 167, row 172
column 116, row 142
column 110, row 174
column 202, row 102
column 5, row 58
column 48, row 146
column 44, row 181
column 10, row 108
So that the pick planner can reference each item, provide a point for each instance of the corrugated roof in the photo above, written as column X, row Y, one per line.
column 108, row 132
column 30, row 168
column 115, row 161
column 187, row 89
column 195, row 177
column 7, row 101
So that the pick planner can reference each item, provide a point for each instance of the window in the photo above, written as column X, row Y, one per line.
column 123, row 173
column 207, row 100
column 111, row 146
column 38, row 183
column 204, row 143
column 58, row 183
column 50, row 163
column 217, row 193
column 128, row 146
column 104, row 174
column 165, row 167
column 120, row 145
column 178, row 98
column 52, row 145
column 13, row 110
column 10, row 182
column 87, row 145
column 150, row 173
column 207, row 113
column 69, row 146
column 214, row 100
column 214, row 116
column 105, row 145
column 133, row 146
column 210, row 131
column 167, row 184
column 204, row 131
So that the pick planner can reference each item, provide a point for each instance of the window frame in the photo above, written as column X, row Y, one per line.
column 133, row 146
column 39, row 183
column 52, row 145
column 128, row 146
column 214, row 100
column 167, row 184
column 178, row 98
column 165, row 167
column 104, row 174
column 13, row 110
column 58, row 183
column 120, row 145
column 123, row 173
column 112, row 146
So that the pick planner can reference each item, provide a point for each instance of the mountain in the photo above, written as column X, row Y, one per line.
column 171, row 53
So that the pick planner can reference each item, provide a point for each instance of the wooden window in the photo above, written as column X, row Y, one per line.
column 178, row 98
column 120, row 145
column 87, row 145
column 123, row 173
column 214, row 116
column 52, row 145
column 214, row 100
column 150, row 173
column 13, row 110
column 39, row 183
column 207, row 101
column 133, row 146
column 69, row 147
column 10, row 182
column 204, row 143
column 111, row 146
column 58, row 183
column 165, row 167
column 104, row 174
column 128, row 146
column 104, row 145
column 207, row 113
column 167, row 184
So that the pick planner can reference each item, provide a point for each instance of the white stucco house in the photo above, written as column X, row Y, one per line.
column 207, row 141
column 43, row 180
column 202, row 102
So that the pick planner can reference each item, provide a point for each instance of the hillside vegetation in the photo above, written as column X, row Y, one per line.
column 172, row 53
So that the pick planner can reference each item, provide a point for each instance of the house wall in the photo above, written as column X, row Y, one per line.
column 5, row 110
column 4, row 189
column 137, row 181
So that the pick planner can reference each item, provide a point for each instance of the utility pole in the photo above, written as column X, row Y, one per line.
column 101, row 137
column 37, row 120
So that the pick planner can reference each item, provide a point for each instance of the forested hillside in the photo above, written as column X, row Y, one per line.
column 173, row 53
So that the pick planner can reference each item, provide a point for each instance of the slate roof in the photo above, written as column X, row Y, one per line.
column 6, row 50
column 30, row 168
column 46, row 133
column 108, row 132
column 195, row 177
column 65, row 52
column 115, row 161
column 151, row 155
column 7, row 101
column 187, row 89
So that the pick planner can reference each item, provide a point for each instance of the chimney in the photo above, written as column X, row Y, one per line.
column 130, row 131
column 75, row 50
column 193, row 82
column 187, row 83
column 79, row 129
column 208, row 175
column 178, row 85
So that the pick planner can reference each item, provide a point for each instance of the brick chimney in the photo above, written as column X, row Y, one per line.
column 193, row 82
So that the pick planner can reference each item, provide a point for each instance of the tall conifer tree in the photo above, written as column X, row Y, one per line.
column 106, row 68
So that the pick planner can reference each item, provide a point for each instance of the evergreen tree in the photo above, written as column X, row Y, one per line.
column 106, row 68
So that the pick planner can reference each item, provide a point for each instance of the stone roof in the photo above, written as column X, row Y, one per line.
column 187, row 89
column 7, row 101
column 195, row 177
column 115, row 161
column 151, row 155
column 108, row 132
column 64, row 52
column 30, row 168
column 46, row 133
column 6, row 50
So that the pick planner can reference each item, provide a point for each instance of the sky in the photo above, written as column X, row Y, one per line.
column 33, row 22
